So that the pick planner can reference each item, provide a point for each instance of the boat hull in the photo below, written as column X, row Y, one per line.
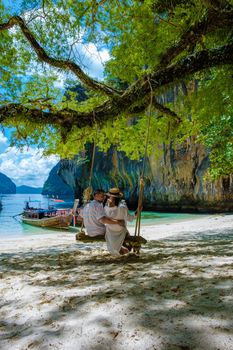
column 60, row 221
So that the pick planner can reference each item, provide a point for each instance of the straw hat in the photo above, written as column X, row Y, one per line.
column 114, row 192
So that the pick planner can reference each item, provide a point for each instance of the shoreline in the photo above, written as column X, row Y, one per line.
column 187, row 227
column 177, row 295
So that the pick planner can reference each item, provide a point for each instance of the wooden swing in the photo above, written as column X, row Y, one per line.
column 130, row 242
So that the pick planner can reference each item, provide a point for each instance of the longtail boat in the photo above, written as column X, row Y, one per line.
column 51, row 217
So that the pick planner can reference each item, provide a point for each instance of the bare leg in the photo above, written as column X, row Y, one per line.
column 123, row 251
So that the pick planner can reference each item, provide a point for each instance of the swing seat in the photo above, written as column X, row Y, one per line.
column 132, row 240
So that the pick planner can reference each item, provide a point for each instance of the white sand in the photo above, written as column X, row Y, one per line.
column 60, row 294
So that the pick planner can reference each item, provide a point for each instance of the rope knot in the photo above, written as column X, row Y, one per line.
column 87, row 194
column 142, row 182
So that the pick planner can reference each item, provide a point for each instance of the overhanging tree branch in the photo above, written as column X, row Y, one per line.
column 167, row 5
column 66, row 118
column 130, row 100
column 222, row 5
column 62, row 64
column 183, row 68
column 212, row 21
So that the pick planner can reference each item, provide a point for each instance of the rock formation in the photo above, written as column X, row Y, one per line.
column 54, row 185
column 6, row 185
column 175, row 181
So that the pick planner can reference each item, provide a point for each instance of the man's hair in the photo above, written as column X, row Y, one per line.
column 98, row 191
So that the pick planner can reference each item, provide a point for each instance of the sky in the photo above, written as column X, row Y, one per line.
column 27, row 168
column 30, row 167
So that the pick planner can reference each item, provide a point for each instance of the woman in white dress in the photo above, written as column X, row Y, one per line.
column 115, row 234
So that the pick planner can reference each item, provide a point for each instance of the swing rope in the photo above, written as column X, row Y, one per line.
column 141, row 179
column 88, row 191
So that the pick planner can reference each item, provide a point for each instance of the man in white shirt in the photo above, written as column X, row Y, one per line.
column 94, row 216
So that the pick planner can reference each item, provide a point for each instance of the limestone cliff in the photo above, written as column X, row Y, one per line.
column 54, row 185
column 174, row 181
column 6, row 185
column 179, row 182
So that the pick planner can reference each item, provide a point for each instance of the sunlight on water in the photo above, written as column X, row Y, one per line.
column 11, row 225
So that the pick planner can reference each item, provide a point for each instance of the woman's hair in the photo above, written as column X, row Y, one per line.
column 117, row 201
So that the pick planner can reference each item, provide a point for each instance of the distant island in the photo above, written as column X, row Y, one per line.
column 7, row 186
column 27, row 189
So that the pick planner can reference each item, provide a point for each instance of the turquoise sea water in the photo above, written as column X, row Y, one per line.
column 11, row 225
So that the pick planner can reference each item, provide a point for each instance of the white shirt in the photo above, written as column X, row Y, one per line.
column 91, row 215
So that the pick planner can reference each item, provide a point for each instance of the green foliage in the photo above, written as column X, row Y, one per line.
column 212, row 111
column 137, row 34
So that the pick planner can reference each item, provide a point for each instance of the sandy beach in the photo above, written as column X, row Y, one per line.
column 178, row 294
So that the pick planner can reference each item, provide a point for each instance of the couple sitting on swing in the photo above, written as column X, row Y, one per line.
column 109, row 220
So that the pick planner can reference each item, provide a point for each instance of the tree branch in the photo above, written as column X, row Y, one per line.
column 16, row 110
column 62, row 64
column 219, row 5
column 166, row 110
column 210, row 22
column 168, row 5
column 131, row 100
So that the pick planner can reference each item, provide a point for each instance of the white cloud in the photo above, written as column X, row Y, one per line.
column 3, row 139
column 92, row 59
column 3, row 142
column 27, row 168
column 89, row 58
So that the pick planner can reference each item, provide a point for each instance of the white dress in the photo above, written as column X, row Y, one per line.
column 115, row 234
